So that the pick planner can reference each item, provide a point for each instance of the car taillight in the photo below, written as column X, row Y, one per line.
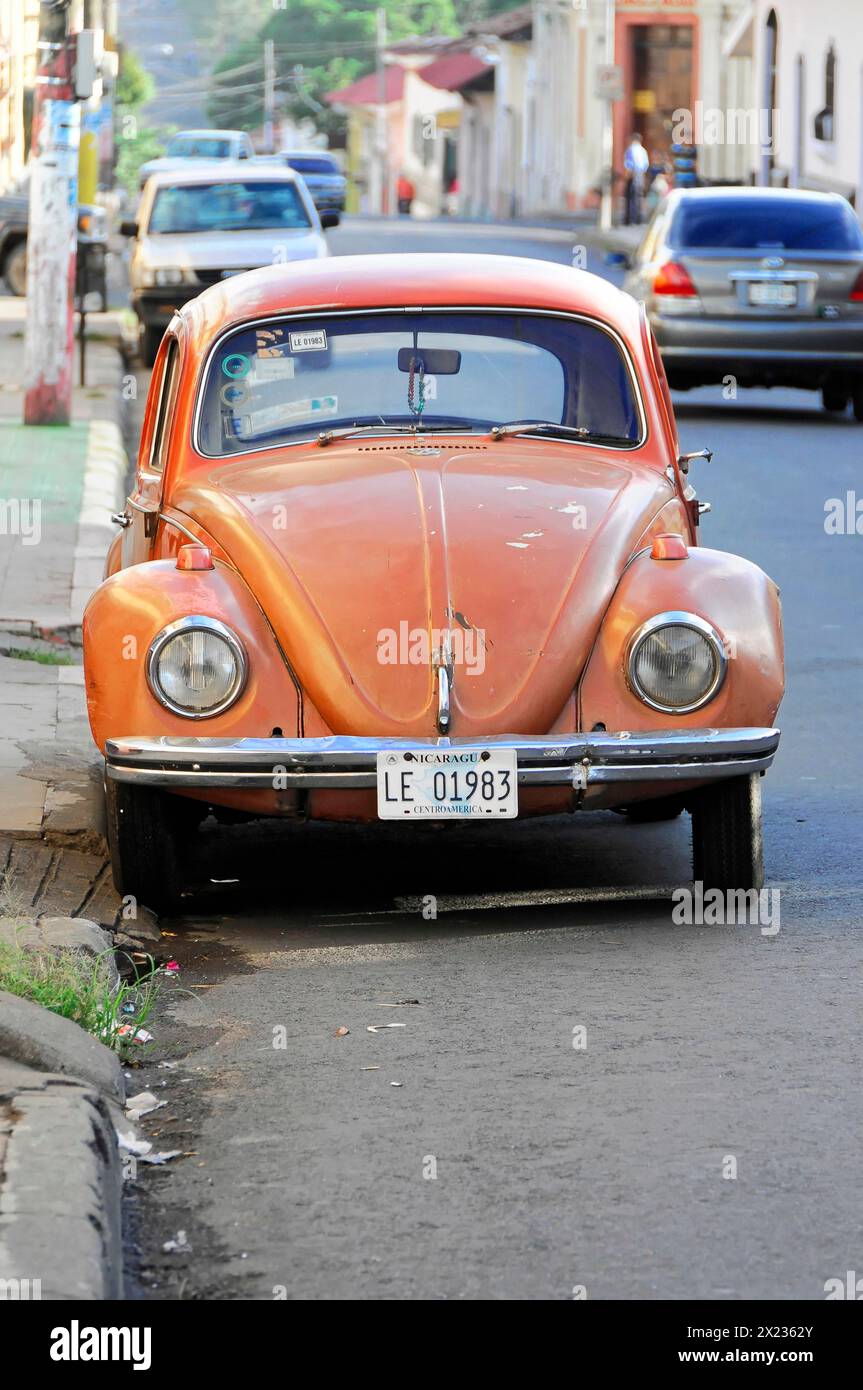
column 671, row 278
column 856, row 295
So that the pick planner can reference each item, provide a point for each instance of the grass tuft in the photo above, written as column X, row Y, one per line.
column 76, row 985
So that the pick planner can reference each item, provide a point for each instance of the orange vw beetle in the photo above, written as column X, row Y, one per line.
column 411, row 538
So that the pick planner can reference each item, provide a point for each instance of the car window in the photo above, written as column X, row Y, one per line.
column 247, row 205
column 165, row 411
column 196, row 147
column 766, row 224
column 317, row 165
column 290, row 379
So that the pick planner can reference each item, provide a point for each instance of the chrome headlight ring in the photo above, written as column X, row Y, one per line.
column 685, row 620
column 197, row 623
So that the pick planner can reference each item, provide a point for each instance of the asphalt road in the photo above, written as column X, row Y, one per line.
column 557, row 1166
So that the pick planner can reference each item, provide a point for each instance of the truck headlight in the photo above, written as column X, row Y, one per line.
column 676, row 662
column 169, row 275
column 196, row 667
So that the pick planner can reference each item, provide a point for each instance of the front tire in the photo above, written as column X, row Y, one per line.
column 15, row 270
column 148, row 832
column 727, row 847
column 857, row 402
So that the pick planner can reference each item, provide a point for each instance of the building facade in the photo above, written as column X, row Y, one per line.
column 670, row 56
column 809, row 70
column 19, row 33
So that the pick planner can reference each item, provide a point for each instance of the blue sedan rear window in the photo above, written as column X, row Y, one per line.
column 765, row 224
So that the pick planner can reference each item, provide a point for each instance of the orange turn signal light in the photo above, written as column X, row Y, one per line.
column 195, row 557
column 666, row 547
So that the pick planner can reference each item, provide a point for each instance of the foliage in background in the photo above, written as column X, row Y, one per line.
column 136, row 141
column 322, row 45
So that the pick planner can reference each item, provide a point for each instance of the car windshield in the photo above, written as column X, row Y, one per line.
column 246, row 206
column 765, row 224
column 316, row 165
column 198, row 147
column 467, row 370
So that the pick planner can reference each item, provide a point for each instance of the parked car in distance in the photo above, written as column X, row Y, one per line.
column 764, row 284
column 322, row 173
column 411, row 539
column 198, row 144
column 92, row 246
column 203, row 223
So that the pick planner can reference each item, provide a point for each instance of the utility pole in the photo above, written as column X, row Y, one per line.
column 53, row 220
column 382, row 132
column 269, row 94
column 607, row 204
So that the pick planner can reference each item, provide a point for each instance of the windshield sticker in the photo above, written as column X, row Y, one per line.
column 236, row 364
column 272, row 368
column 294, row 412
column 238, row 426
column 313, row 340
column 234, row 393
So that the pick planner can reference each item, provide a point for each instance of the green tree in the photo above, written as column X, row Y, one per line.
column 321, row 45
column 136, row 141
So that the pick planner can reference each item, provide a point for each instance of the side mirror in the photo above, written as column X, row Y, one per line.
column 330, row 218
column 686, row 459
column 129, row 229
column 618, row 258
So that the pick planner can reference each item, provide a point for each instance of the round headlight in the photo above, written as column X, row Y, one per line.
column 196, row 667
column 676, row 663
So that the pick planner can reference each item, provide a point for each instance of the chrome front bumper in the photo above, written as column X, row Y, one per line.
column 339, row 762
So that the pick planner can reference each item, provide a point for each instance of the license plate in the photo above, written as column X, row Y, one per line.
column 773, row 292
column 447, row 783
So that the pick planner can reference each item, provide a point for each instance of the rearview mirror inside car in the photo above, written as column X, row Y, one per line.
column 433, row 361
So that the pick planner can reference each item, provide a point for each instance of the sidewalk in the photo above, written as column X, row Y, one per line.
column 58, row 487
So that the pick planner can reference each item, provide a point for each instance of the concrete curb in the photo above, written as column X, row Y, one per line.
column 60, row 1190
column 60, row 1169
column 104, row 479
column 50, row 772
column 34, row 1037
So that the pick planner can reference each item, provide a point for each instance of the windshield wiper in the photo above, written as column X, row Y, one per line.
column 381, row 426
column 550, row 427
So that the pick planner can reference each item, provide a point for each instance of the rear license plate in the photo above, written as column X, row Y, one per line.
column 773, row 293
column 447, row 783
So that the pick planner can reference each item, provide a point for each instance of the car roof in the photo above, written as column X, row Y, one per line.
column 223, row 171
column 737, row 191
column 206, row 131
column 394, row 281
column 308, row 154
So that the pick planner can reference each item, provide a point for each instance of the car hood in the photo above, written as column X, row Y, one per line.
column 231, row 250
column 364, row 554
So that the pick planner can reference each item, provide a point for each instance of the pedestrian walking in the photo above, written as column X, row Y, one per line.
column 636, row 163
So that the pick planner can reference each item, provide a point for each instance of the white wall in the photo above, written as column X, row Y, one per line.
column 806, row 31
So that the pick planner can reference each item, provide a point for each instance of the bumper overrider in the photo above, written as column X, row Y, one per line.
column 343, row 762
